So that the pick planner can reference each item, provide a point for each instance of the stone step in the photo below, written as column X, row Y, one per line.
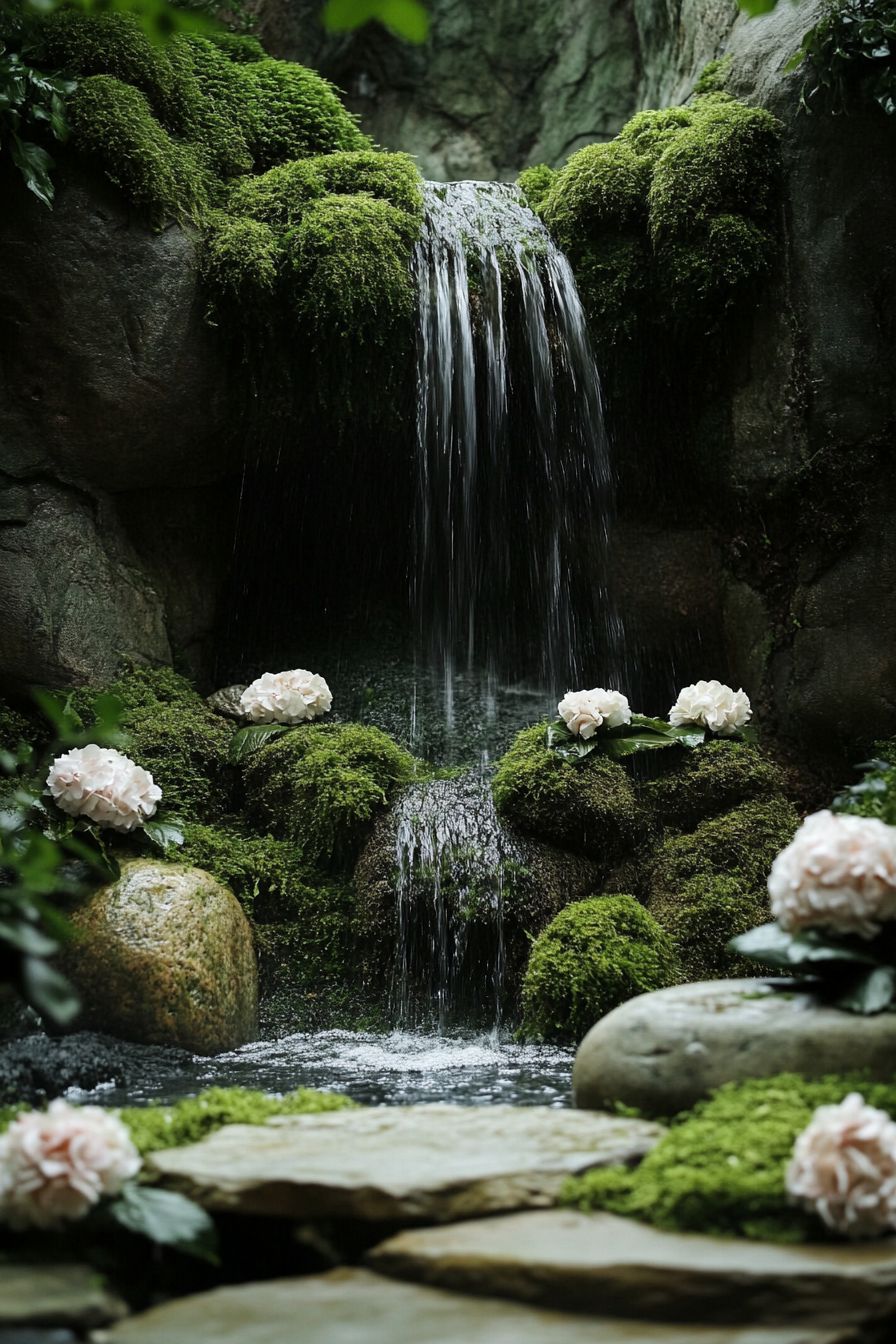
column 353, row 1306
column 407, row 1164
column 613, row 1266
column 64, row 1297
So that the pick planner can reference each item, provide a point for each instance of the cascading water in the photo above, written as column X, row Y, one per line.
column 514, row 482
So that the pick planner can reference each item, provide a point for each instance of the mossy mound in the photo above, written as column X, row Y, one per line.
column 156, row 1127
column 535, row 184
column 710, row 780
column 707, row 886
column 720, row 1169
column 588, row 808
column 595, row 955
column 673, row 219
column 322, row 785
column 15, row 728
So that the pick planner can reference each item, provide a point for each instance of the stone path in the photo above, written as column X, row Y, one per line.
column 601, row 1263
column 431, row 1163
column 352, row 1306
column 662, row 1052
column 63, row 1296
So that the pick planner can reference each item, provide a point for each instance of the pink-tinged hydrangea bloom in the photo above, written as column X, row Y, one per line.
column 838, row 873
column 583, row 712
column 286, row 697
column 711, row 705
column 104, row 786
column 844, row 1168
column 55, row 1165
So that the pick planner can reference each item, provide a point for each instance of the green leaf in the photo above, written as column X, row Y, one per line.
column 25, row 937
column 167, row 1218
column 770, row 945
column 407, row 18
column 756, row 7
column 247, row 740
column 617, row 747
column 871, row 992
column 164, row 831
column 49, row 992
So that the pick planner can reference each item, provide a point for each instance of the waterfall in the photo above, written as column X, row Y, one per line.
column 514, row 487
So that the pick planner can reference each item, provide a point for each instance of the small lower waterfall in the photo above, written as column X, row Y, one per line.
column 514, row 484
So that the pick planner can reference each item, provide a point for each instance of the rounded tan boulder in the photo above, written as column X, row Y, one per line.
column 164, row 956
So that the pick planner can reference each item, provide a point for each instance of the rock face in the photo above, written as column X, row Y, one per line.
column 663, row 1052
column 598, row 1262
column 408, row 1164
column 65, row 1297
column 353, row 1306
column 165, row 958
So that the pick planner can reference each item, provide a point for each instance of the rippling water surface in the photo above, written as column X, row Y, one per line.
column 395, row 1069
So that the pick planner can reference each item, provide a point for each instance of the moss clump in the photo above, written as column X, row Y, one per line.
column 710, row 780
column 170, row 730
column 713, row 77
column 14, row 728
column 595, row 955
column 322, row 785
column 535, row 183
column 588, row 808
column 720, row 1169
column 674, row 219
column 710, row 885
column 156, row 1127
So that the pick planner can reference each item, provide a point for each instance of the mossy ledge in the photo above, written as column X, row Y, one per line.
column 720, row 1169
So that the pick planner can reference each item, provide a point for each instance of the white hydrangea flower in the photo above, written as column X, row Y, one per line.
column 105, row 786
column 583, row 712
column 55, row 1165
column 286, row 697
column 838, row 873
column 711, row 705
column 844, row 1168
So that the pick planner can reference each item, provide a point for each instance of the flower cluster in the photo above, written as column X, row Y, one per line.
column 844, row 1168
column 838, row 873
column 711, row 705
column 55, row 1165
column 286, row 697
column 104, row 786
column 584, row 712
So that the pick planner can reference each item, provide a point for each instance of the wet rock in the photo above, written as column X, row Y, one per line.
column 407, row 1164
column 227, row 702
column 166, row 958
column 37, row 1068
column 662, row 1052
column 63, row 1296
column 598, row 1262
column 353, row 1306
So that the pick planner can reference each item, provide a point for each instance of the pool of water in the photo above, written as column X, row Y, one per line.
column 393, row 1069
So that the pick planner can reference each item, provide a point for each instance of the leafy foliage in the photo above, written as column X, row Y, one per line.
column 595, row 955
column 642, row 734
column 720, row 1169
column 168, row 1219
column 32, row 104
column 407, row 18
column 851, row 57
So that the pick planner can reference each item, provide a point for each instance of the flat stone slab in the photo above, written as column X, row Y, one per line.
column 662, row 1052
column 351, row 1306
column 433, row 1163
column 616, row 1267
column 64, row 1296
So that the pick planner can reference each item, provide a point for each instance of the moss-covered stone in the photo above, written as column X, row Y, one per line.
column 194, row 1118
column 322, row 785
column 535, row 183
column 588, row 808
column 592, row 957
column 709, row 885
column 720, row 1169
column 702, row 783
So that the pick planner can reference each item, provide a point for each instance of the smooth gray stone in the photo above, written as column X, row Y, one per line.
column 599, row 1263
column 433, row 1163
column 226, row 701
column 55, row 1295
column 351, row 1306
column 663, row 1051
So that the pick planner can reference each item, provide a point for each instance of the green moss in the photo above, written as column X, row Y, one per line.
column 156, row 1127
column 713, row 77
column 710, row 885
column 14, row 728
column 588, row 808
column 241, row 261
column 281, row 196
column 595, row 955
column 535, row 183
column 321, row 786
column 720, row 1169
column 712, row 779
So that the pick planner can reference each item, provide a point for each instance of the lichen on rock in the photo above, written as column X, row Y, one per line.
column 592, row 957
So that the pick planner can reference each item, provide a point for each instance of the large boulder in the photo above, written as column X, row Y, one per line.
column 164, row 956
